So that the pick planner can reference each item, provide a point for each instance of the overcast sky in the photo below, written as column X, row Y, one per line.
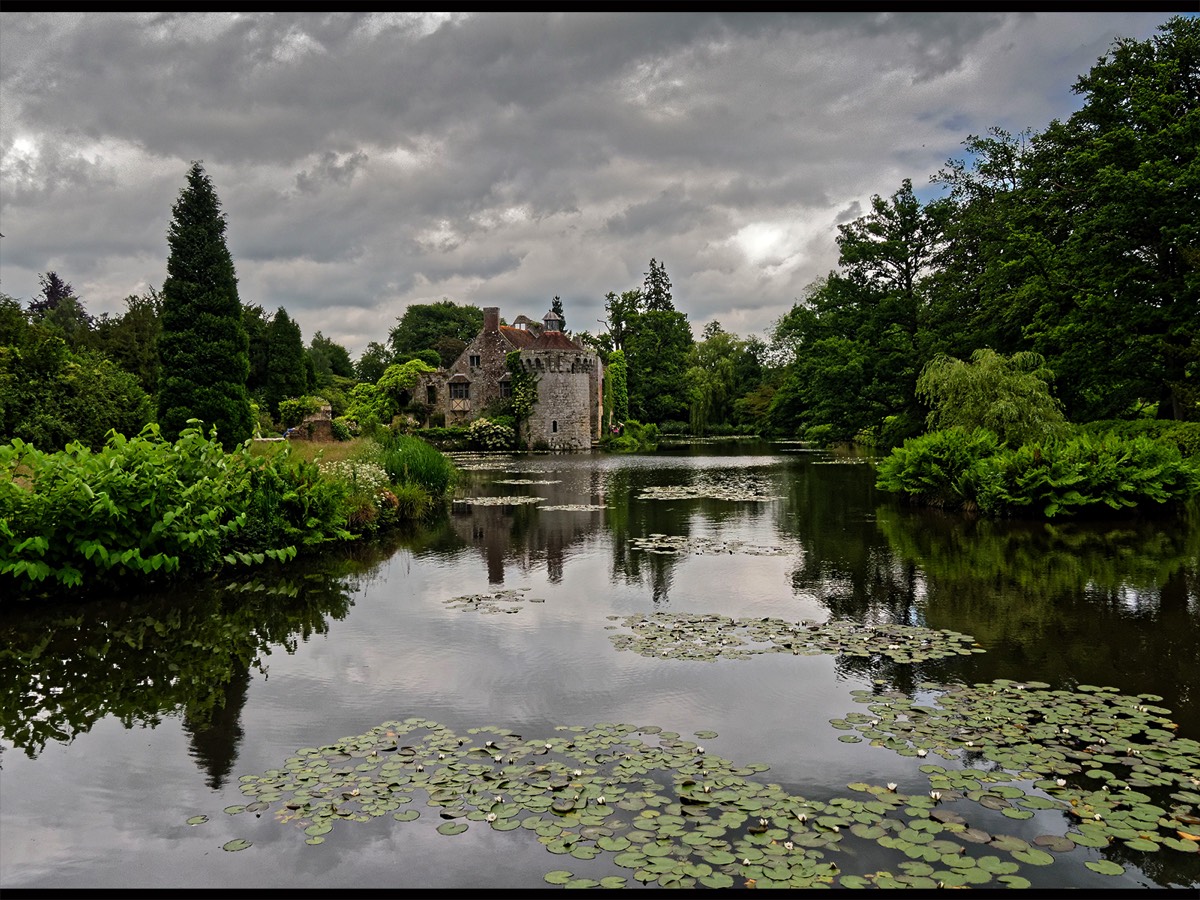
column 366, row 162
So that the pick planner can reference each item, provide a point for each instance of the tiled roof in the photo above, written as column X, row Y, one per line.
column 554, row 340
column 518, row 337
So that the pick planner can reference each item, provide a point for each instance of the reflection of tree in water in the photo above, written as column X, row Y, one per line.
column 629, row 518
column 215, row 739
column 1102, row 603
column 846, row 565
column 64, row 668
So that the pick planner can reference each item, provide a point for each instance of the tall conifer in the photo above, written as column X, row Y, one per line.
column 203, row 347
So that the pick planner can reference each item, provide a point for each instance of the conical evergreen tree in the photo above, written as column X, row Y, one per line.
column 203, row 347
column 285, row 361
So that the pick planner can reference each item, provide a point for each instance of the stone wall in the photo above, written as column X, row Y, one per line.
column 561, row 418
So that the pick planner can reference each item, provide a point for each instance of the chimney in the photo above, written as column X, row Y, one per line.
column 491, row 318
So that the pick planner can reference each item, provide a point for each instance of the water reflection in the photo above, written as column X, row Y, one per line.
column 65, row 667
column 1068, row 604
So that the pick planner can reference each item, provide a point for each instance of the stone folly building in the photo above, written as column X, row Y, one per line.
column 569, row 380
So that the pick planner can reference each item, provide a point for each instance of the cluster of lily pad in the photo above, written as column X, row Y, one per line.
column 526, row 481
column 677, row 545
column 745, row 488
column 1110, row 762
column 495, row 501
column 710, row 636
column 496, row 602
column 574, row 507
column 668, row 812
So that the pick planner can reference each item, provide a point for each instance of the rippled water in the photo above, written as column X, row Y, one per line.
column 124, row 718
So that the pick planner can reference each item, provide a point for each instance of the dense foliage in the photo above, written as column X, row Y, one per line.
column 957, row 468
column 1007, row 395
column 51, row 395
column 444, row 327
column 203, row 345
column 145, row 508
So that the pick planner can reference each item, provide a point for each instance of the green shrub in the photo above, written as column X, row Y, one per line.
column 939, row 469
column 959, row 469
column 634, row 437
column 295, row 410
column 485, row 434
column 1185, row 436
column 413, row 502
column 410, row 460
column 146, row 508
column 1008, row 395
column 1087, row 472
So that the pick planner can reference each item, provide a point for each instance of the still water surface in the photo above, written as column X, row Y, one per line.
column 125, row 718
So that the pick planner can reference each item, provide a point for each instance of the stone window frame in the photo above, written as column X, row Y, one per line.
column 475, row 360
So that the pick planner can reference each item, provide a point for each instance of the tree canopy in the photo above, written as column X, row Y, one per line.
column 443, row 326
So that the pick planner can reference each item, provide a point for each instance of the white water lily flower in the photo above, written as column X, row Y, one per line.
column 892, row 786
column 788, row 845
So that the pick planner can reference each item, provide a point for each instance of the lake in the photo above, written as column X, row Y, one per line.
column 718, row 664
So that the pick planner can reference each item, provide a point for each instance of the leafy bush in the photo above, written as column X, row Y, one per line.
column 51, row 396
column 1010, row 396
column 634, row 437
column 1185, row 436
column 295, row 410
column 1086, row 472
column 960, row 469
column 938, row 469
column 484, row 434
column 410, row 460
column 144, row 507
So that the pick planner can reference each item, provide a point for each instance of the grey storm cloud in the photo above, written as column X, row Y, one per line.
column 370, row 161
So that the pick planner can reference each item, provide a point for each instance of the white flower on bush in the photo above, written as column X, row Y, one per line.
column 490, row 435
column 368, row 476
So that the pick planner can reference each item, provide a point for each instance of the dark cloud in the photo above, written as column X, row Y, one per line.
column 367, row 162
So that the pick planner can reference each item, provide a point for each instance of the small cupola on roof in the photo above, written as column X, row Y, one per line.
column 551, row 322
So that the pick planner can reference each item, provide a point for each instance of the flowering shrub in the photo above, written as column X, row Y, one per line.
column 484, row 434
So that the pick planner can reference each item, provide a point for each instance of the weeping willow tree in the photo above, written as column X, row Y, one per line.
column 1008, row 395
